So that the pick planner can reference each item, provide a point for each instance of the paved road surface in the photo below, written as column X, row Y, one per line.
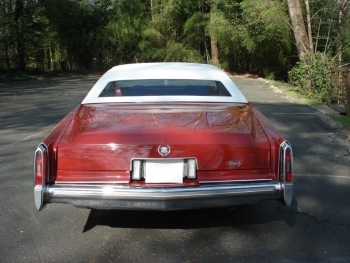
column 315, row 229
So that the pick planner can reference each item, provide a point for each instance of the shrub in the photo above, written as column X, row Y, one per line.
column 313, row 76
column 177, row 52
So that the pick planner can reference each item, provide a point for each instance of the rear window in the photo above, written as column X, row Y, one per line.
column 164, row 87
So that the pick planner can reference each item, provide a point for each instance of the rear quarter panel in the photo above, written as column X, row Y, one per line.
column 52, row 141
column 274, row 137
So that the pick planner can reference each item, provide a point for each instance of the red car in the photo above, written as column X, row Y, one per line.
column 163, row 136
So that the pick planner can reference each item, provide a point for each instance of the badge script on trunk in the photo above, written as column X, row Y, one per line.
column 232, row 163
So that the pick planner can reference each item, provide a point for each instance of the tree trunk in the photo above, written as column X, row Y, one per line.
column 214, row 51
column 213, row 44
column 19, row 34
column 50, row 59
column 151, row 10
column 309, row 28
column 7, row 58
column 301, row 38
column 342, row 8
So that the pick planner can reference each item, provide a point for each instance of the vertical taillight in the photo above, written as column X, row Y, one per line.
column 288, row 165
column 40, row 165
column 286, row 162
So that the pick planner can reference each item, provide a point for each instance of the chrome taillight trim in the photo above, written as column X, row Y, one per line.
column 43, row 149
column 282, row 160
column 287, row 186
column 39, row 193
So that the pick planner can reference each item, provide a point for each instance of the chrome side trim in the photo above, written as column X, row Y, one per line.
column 287, row 186
column 234, row 181
column 93, row 182
column 127, row 197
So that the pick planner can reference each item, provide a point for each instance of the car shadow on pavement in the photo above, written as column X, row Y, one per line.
column 240, row 216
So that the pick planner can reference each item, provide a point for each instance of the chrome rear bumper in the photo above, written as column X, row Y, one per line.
column 111, row 196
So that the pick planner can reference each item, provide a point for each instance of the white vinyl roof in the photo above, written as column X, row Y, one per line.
column 167, row 70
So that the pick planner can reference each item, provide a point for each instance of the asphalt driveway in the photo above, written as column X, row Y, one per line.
column 315, row 229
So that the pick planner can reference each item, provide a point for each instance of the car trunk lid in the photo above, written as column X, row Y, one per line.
column 221, row 136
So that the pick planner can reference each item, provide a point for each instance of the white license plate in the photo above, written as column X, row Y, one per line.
column 164, row 171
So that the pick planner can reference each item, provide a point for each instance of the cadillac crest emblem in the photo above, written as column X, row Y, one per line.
column 163, row 150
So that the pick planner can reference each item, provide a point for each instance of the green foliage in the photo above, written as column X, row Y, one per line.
column 220, row 28
column 22, row 27
column 77, row 23
column 313, row 76
column 175, row 32
column 195, row 29
column 346, row 54
column 177, row 52
column 252, row 35
column 343, row 120
column 324, row 26
column 262, row 36
column 265, row 23
column 154, row 48
column 153, row 45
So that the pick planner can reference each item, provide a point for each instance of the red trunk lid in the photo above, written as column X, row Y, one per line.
column 220, row 136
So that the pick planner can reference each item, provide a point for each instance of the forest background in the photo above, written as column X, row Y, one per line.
column 295, row 40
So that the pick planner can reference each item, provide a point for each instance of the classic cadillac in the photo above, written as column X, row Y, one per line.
column 163, row 136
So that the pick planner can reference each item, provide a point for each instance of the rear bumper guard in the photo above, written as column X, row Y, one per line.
column 111, row 196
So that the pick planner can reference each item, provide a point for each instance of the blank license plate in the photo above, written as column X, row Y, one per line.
column 164, row 171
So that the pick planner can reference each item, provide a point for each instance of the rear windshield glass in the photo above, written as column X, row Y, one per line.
column 164, row 87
